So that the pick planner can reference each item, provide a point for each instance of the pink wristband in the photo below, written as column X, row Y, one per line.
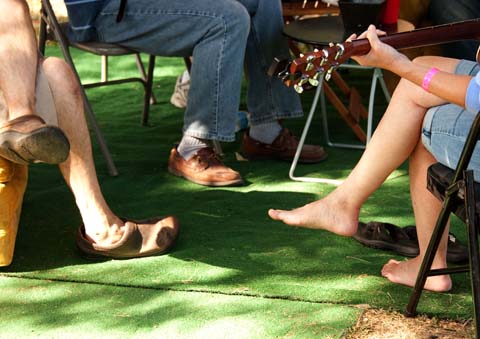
column 428, row 77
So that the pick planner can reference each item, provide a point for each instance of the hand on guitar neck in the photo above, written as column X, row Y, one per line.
column 309, row 69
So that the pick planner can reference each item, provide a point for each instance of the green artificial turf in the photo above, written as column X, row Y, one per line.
column 233, row 269
column 46, row 309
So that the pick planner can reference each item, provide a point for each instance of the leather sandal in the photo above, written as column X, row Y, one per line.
column 141, row 238
column 403, row 240
column 28, row 139
column 385, row 236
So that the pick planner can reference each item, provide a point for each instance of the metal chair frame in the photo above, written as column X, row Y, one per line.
column 460, row 191
column 377, row 77
column 49, row 21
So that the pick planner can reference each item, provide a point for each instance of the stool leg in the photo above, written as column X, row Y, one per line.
column 13, row 181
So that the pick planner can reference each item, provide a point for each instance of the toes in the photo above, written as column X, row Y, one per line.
column 275, row 214
column 389, row 267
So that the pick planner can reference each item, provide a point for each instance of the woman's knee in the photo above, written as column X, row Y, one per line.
column 60, row 75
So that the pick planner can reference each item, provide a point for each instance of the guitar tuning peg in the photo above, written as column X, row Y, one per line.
column 329, row 74
column 340, row 50
column 316, row 50
column 302, row 55
column 314, row 80
column 310, row 64
column 298, row 88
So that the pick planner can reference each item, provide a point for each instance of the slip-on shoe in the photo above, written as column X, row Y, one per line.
column 204, row 168
column 27, row 139
column 282, row 148
column 141, row 238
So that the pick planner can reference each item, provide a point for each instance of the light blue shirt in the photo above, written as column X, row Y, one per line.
column 472, row 98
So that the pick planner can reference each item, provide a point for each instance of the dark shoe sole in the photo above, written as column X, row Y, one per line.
column 47, row 144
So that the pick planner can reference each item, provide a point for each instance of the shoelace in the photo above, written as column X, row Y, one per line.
column 208, row 155
column 121, row 10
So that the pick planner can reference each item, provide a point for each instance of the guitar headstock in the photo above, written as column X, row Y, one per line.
column 309, row 68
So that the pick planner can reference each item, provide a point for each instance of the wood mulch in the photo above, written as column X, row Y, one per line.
column 381, row 324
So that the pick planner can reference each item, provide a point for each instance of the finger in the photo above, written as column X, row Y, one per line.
column 372, row 34
column 380, row 32
column 351, row 37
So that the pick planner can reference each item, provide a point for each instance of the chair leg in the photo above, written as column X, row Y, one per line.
column 42, row 36
column 112, row 169
column 144, row 75
column 148, row 90
column 473, row 248
column 429, row 255
column 104, row 73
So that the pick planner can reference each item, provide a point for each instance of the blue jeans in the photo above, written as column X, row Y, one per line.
column 223, row 37
column 445, row 129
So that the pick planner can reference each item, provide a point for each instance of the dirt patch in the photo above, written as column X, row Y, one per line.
column 380, row 324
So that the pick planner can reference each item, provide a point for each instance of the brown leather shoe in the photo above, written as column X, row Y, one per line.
column 204, row 168
column 282, row 148
column 27, row 139
column 141, row 238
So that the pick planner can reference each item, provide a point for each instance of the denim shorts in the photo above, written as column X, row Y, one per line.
column 446, row 127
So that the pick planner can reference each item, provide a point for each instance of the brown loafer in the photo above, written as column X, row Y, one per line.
column 142, row 238
column 204, row 168
column 282, row 148
column 27, row 139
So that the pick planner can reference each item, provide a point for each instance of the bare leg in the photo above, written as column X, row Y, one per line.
column 18, row 52
column 101, row 224
column 426, row 208
column 392, row 143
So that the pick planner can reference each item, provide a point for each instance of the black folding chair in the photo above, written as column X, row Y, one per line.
column 50, row 24
column 457, row 189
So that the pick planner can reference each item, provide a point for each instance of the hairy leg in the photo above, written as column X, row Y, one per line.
column 18, row 52
column 101, row 224
column 392, row 143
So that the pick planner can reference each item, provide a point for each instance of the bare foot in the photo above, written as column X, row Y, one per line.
column 105, row 233
column 405, row 273
column 327, row 214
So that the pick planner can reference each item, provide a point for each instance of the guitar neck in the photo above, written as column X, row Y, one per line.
column 464, row 30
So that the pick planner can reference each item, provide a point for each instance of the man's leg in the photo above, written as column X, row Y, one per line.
column 214, row 34
column 268, row 99
column 19, row 57
column 24, row 137
column 102, row 227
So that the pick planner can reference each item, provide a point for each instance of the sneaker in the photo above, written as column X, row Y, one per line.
column 204, row 168
column 283, row 147
column 179, row 97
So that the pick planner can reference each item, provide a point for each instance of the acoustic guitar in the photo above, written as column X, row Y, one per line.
column 308, row 68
